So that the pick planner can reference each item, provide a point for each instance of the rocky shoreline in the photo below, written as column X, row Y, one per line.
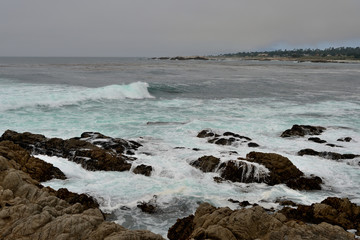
column 30, row 211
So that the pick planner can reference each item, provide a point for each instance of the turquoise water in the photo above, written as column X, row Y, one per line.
column 164, row 104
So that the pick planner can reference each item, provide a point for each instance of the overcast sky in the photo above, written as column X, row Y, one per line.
column 173, row 27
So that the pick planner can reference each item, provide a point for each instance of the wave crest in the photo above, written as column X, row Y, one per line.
column 14, row 96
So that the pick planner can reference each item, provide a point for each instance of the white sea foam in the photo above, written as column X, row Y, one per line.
column 20, row 95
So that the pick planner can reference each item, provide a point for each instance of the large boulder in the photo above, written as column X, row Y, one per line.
column 29, row 211
column 302, row 130
column 270, row 168
column 252, row 223
column 93, row 151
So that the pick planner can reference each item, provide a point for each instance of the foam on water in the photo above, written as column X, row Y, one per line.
column 265, row 100
column 21, row 95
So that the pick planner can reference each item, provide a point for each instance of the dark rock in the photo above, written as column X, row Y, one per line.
column 287, row 203
column 302, row 130
column 143, row 169
column 239, row 171
column 148, row 207
column 196, row 149
column 182, row 229
column 206, row 163
column 252, row 144
column 35, row 167
column 346, row 139
column 241, row 204
column 316, row 139
column 333, row 145
column 93, row 151
column 327, row 155
column 302, row 183
column 228, row 138
column 218, row 179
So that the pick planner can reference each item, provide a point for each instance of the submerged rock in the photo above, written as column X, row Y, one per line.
column 143, row 169
column 206, row 163
column 93, row 151
column 317, row 140
column 148, row 207
column 227, row 138
column 328, row 155
column 252, row 223
column 346, row 139
column 302, row 130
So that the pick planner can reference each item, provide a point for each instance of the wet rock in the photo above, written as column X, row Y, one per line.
column 333, row 145
column 252, row 144
column 143, row 169
column 346, row 139
column 182, row 229
column 227, row 138
column 35, row 167
column 241, row 204
column 253, row 223
column 239, row 171
column 93, row 151
column 327, row 155
column 302, row 130
column 148, row 207
column 259, row 167
column 316, row 139
column 206, row 163
column 286, row 203
column 332, row 210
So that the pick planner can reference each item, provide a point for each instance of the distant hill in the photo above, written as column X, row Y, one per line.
column 340, row 53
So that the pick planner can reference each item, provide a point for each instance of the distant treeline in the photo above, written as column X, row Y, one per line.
column 340, row 52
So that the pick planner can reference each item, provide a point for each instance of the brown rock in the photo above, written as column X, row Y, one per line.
column 182, row 229
column 206, row 163
column 253, row 223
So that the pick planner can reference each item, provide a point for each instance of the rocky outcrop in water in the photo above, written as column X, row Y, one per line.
column 302, row 130
column 92, row 150
column 259, row 167
column 332, row 210
column 227, row 138
column 253, row 223
column 328, row 155
column 143, row 169
column 29, row 211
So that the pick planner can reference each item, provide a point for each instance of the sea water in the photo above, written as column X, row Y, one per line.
column 163, row 104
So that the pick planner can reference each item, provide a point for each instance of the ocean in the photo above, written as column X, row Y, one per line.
column 164, row 104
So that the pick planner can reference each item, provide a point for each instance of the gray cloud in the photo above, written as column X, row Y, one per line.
column 169, row 27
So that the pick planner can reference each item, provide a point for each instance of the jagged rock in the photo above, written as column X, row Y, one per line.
column 241, row 204
column 143, row 169
column 93, row 151
column 240, row 171
column 252, row 223
column 72, row 198
column 227, row 138
column 328, row 155
column 332, row 210
column 206, row 163
column 317, row 140
column 346, row 139
column 302, row 130
column 148, row 207
column 182, row 228
column 30, row 212
column 302, row 183
column 36, row 168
